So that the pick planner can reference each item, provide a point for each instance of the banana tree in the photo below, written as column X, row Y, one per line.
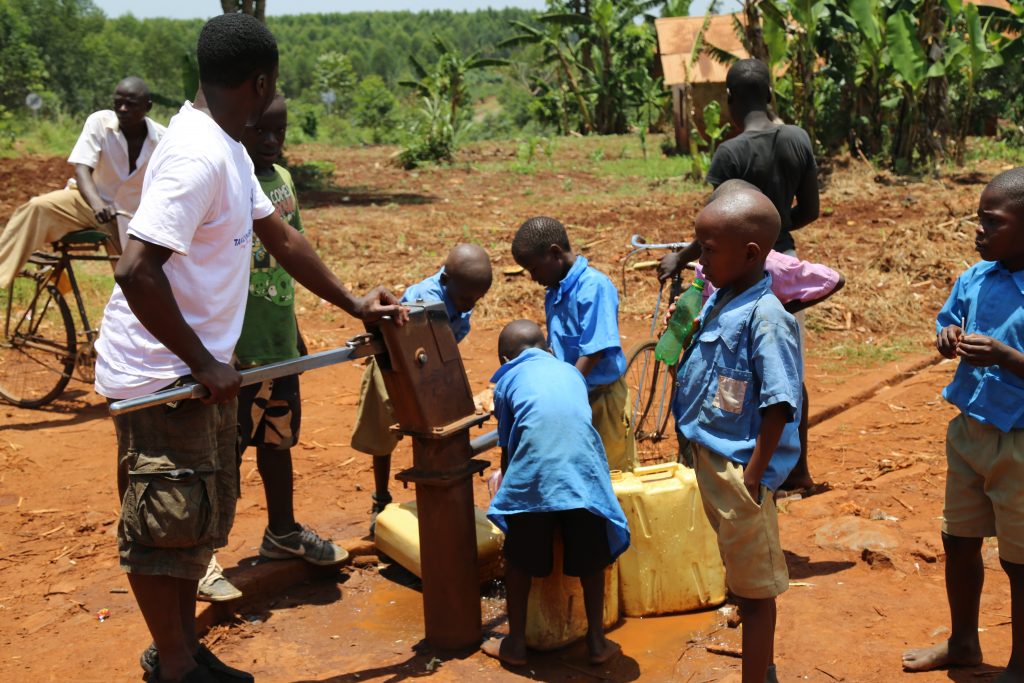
column 446, row 79
column 553, row 39
column 603, row 55
column 866, row 74
column 970, row 54
column 911, row 65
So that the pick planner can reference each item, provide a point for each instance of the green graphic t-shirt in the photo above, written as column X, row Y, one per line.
column 269, row 333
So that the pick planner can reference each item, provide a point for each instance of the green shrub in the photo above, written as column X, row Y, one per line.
column 433, row 138
column 313, row 175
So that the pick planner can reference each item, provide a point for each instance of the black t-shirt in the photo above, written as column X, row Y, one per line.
column 775, row 160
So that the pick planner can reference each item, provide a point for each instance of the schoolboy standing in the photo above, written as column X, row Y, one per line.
column 982, row 324
column 177, row 310
column 555, row 477
column 738, row 404
column 460, row 284
column 582, row 311
column 270, row 413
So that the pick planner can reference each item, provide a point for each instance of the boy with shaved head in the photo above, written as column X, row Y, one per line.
column 110, row 160
column 460, row 284
column 555, row 478
column 982, row 324
column 738, row 404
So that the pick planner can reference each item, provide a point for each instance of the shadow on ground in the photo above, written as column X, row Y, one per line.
column 552, row 667
column 801, row 567
column 71, row 408
column 985, row 672
column 361, row 196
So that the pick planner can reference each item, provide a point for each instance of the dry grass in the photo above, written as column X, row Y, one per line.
column 899, row 244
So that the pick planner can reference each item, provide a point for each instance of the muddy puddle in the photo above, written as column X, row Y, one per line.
column 368, row 626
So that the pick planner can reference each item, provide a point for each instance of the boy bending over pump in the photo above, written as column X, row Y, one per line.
column 582, row 310
column 555, row 477
column 739, row 406
column 460, row 284
column 982, row 323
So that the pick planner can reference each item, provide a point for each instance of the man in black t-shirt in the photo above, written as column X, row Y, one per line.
column 779, row 160
column 775, row 157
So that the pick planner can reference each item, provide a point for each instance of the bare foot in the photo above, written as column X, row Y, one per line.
column 505, row 651
column 603, row 652
column 796, row 482
column 940, row 656
column 811, row 489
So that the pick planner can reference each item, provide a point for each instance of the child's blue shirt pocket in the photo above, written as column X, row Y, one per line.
column 727, row 406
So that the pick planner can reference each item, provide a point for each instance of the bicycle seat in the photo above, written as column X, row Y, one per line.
column 87, row 236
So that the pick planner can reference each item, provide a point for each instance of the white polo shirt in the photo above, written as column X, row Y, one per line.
column 103, row 147
column 199, row 200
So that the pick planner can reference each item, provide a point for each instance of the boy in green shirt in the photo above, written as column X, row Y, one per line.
column 269, row 413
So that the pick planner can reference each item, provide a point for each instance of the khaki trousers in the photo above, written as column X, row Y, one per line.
column 609, row 406
column 42, row 220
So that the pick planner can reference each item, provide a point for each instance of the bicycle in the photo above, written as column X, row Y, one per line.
column 652, row 383
column 39, row 347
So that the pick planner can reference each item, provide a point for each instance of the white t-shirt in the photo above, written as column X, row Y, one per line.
column 199, row 200
column 103, row 147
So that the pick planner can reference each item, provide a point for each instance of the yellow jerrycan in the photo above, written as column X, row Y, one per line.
column 555, row 616
column 397, row 535
column 673, row 563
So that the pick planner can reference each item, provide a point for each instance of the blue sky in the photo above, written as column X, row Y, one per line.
column 187, row 9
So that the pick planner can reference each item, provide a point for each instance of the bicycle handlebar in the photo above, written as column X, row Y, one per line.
column 638, row 243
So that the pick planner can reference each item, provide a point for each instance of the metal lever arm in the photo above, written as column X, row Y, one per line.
column 359, row 347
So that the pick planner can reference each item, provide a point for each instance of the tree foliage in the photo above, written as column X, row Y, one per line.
column 334, row 74
column 597, row 56
column 75, row 54
column 894, row 79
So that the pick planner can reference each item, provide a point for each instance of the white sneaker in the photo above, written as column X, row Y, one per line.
column 214, row 587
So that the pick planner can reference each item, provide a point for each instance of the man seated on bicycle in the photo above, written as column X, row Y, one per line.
column 110, row 160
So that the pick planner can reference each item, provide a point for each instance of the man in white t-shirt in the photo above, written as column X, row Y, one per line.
column 110, row 161
column 177, row 310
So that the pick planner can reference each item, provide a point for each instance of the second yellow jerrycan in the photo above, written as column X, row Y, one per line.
column 673, row 563
column 555, row 615
column 398, row 537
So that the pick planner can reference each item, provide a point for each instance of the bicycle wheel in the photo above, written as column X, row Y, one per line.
column 652, row 387
column 37, row 351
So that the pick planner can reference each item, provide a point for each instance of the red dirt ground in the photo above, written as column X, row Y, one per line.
column 849, row 616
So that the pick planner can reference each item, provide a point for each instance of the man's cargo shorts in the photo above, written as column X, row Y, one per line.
column 178, row 475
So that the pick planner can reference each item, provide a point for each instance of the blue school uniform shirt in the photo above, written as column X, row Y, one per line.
column 991, row 299
column 583, row 318
column 745, row 358
column 556, row 459
column 431, row 289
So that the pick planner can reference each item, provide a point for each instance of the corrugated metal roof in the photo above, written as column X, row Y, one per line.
column 676, row 36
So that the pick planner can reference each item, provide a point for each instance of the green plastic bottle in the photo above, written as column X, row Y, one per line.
column 688, row 306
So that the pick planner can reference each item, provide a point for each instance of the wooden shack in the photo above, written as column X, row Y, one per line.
column 695, row 83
